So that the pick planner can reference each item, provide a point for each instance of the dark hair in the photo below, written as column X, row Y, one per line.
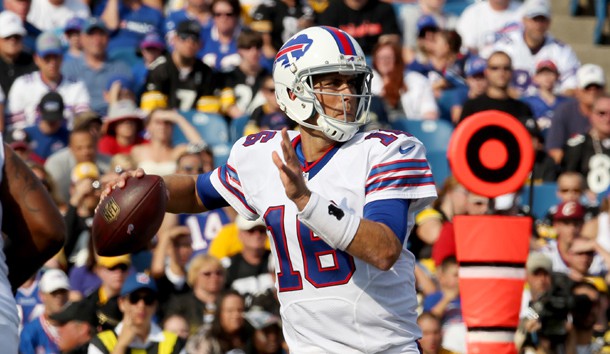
column 218, row 333
column 454, row 40
column 235, row 6
column 447, row 262
column 249, row 38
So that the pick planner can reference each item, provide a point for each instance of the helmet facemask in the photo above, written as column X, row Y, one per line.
column 336, row 128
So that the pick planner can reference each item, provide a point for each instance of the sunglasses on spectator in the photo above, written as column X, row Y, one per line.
column 500, row 67
column 225, row 14
column 122, row 267
column 149, row 298
column 218, row 273
column 186, row 36
column 567, row 190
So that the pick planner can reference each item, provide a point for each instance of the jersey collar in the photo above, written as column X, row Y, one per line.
column 312, row 168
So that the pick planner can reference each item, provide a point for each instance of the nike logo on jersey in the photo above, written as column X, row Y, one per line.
column 404, row 151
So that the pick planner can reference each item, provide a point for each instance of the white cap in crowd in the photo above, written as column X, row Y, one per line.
column 590, row 74
column 245, row 224
column 535, row 8
column 10, row 25
column 53, row 280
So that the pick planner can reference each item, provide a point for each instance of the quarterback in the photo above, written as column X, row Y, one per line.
column 338, row 203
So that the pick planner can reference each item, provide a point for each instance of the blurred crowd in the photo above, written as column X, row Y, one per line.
column 92, row 88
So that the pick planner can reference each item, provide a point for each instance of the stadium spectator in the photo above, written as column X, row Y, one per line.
column 50, row 133
column 445, row 304
column 167, row 87
column 568, row 224
column 409, row 17
column 219, row 49
column 483, row 23
column 123, row 128
column 474, row 72
column 267, row 336
column 206, row 277
column 113, row 272
column 159, row 155
column 27, row 90
column 151, row 48
column 246, row 79
column 497, row 96
column 228, row 330
column 534, row 44
column 27, row 298
column 197, row 10
column 446, row 68
column 40, row 335
column 279, row 20
column 75, row 327
column 432, row 336
column 598, row 228
column 22, row 8
column 53, row 15
column 587, row 300
column 82, row 147
column 128, row 23
column 426, row 30
column 171, row 255
column 538, row 276
column 138, row 330
column 247, row 271
column 14, row 62
column 119, row 88
column 269, row 115
column 407, row 95
column 369, row 21
column 543, row 100
column 72, row 31
column 94, row 67
column 176, row 324
column 589, row 153
column 572, row 117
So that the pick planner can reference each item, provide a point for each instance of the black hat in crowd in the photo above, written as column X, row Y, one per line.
column 51, row 107
column 190, row 27
column 82, row 311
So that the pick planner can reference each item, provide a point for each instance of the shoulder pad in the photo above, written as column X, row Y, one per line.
column 576, row 140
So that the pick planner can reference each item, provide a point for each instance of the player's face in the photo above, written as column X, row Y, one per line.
column 600, row 117
column 499, row 71
column 232, row 313
column 431, row 335
column 335, row 92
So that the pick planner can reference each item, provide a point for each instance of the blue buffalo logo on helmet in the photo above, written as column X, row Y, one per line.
column 296, row 47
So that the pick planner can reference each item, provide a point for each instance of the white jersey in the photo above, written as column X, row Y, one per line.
column 330, row 301
column 524, row 61
column 480, row 26
column 47, row 17
column 28, row 90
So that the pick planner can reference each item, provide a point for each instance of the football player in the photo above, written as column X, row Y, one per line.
column 338, row 204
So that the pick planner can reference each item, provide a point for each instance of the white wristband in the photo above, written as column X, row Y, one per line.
column 332, row 224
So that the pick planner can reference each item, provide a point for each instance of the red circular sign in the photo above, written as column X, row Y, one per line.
column 491, row 153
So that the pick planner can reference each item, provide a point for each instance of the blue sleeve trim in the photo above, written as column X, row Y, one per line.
column 391, row 212
column 208, row 194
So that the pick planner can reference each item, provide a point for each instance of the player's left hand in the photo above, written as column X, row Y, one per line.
column 291, row 174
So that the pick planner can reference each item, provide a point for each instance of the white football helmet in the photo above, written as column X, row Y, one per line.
column 314, row 51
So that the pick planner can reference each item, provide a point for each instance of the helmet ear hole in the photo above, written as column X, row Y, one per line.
column 291, row 94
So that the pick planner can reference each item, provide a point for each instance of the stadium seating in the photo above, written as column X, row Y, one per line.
column 213, row 129
column 236, row 128
column 440, row 166
column 456, row 7
column 545, row 196
column 434, row 134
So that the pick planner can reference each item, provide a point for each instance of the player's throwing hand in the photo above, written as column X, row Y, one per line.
column 290, row 173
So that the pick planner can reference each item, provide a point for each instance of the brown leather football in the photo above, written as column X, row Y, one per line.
column 129, row 217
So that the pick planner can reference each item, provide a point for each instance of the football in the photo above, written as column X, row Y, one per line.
column 129, row 217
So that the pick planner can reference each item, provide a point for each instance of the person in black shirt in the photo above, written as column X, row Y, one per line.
column 498, row 74
column 589, row 153
column 368, row 21
column 179, row 80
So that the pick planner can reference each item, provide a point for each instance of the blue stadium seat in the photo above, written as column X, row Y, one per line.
column 545, row 196
column 434, row 134
column 236, row 128
column 214, row 130
column 440, row 166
